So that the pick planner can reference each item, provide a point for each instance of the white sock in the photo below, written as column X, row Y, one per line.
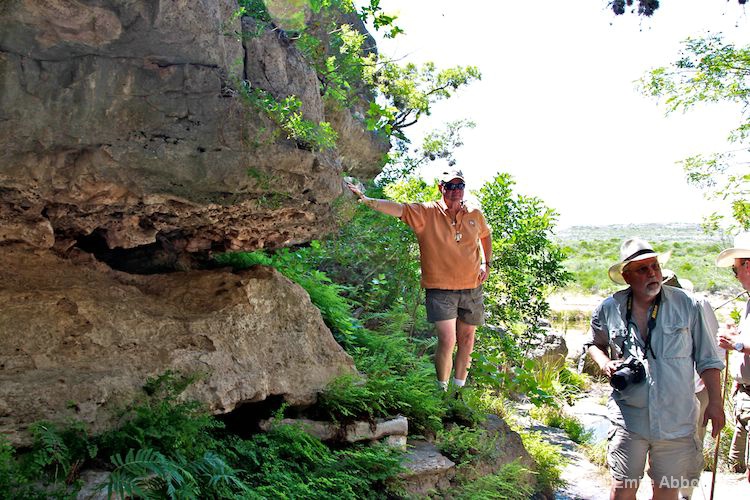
column 443, row 385
column 458, row 382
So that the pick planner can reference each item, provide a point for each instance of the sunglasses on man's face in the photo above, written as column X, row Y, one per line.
column 449, row 186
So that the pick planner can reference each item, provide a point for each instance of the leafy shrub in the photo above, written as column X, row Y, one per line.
column 149, row 474
column 17, row 477
column 287, row 114
column 526, row 264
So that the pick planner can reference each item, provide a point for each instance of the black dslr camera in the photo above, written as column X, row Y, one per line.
column 631, row 371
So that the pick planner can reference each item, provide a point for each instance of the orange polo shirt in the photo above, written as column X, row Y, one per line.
column 449, row 251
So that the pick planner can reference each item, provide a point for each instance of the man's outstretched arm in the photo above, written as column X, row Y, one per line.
column 387, row 207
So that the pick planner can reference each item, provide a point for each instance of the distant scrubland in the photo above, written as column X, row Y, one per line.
column 591, row 250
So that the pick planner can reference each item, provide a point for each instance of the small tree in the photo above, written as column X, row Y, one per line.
column 526, row 265
column 711, row 70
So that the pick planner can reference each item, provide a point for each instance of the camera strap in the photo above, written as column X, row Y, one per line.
column 651, row 321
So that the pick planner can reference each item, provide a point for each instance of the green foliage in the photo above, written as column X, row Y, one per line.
column 711, row 70
column 288, row 463
column 19, row 478
column 60, row 451
column 588, row 261
column 255, row 9
column 160, row 422
column 557, row 380
column 351, row 74
column 464, row 444
column 384, row 393
column 512, row 482
column 526, row 265
column 286, row 113
column 284, row 463
column 596, row 453
column 377, row 256
column 548, row 458
column 553, row 416
column 412, row 89
column 146, row 473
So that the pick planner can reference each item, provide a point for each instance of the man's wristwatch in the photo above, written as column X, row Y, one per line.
column 739, row 346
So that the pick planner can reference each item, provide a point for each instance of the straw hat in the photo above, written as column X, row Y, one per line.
column 633, row 250
column 740, row 250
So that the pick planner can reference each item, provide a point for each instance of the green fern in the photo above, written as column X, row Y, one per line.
column 144, row 473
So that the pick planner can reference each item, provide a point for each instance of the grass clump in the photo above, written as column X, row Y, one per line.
column 548, row 459
column 512, row 482
column 596, row 453
column 554, row 417
column 464, row 444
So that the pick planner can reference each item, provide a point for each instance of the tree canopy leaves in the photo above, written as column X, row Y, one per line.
column 710, row 70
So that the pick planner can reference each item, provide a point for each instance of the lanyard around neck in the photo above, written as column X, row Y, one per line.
column 651, row 320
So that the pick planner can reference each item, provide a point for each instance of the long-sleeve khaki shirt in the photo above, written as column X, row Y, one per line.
column 663, row 405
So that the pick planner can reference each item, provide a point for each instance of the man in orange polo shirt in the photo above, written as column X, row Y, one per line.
column 455, row 248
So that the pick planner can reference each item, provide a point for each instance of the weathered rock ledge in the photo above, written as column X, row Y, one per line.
column 122, row 122
column 78, row 339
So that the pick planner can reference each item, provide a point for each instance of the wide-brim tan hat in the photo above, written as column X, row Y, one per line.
column 633, row 250
column 740, row 250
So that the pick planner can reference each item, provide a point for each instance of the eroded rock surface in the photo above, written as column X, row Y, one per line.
column 124, row 121
column 78, row 339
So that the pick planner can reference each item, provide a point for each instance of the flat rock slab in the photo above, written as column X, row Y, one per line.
column 428, row 469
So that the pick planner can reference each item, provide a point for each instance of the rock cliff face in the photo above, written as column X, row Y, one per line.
column 123, row 134
column 121, row 120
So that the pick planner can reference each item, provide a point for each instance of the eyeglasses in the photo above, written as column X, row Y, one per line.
column 735, row 269
column 449, row 186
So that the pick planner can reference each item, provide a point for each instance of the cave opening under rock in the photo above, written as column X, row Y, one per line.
column 165, row 255
column 244, row 420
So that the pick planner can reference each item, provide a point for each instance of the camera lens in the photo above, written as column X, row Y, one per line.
column 621, row 378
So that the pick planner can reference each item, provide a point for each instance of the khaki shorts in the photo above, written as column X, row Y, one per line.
column 673, row 463
column 466, row 305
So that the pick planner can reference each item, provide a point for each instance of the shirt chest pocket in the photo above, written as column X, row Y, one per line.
column 678, row 343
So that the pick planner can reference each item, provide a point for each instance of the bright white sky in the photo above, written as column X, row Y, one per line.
column 557, row 106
